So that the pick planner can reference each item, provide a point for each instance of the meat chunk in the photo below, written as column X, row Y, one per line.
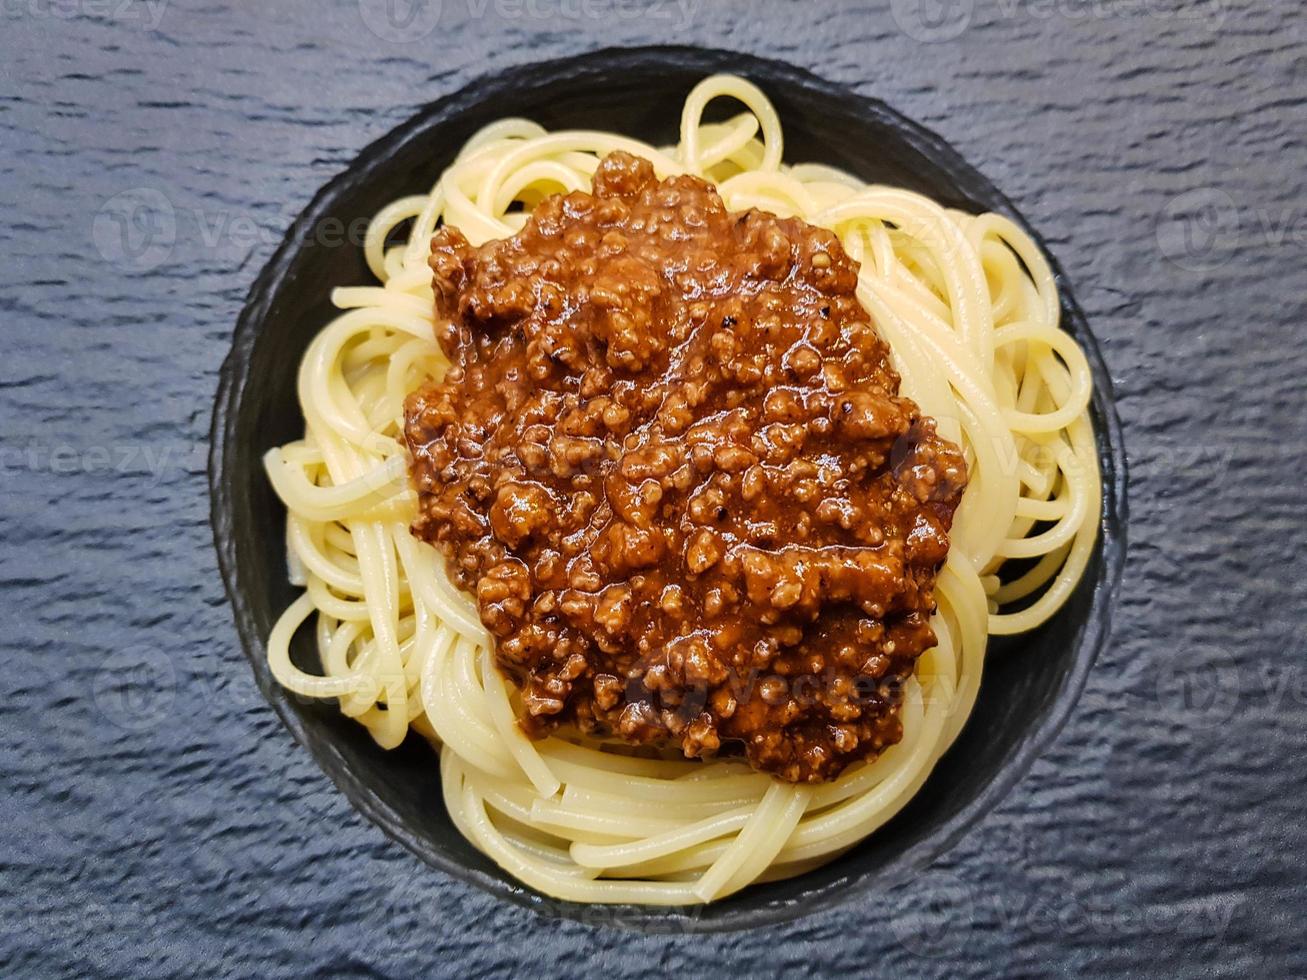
column 671, row 460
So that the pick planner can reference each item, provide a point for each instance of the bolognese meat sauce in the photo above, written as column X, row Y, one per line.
column 670, row 460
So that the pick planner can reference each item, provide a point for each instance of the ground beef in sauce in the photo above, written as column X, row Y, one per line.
column 671, row 462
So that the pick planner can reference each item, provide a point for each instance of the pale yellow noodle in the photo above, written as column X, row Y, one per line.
column 970, row 310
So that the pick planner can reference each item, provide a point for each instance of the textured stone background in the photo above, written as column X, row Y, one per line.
column 154, row 816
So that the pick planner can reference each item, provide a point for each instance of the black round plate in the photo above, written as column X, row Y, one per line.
column 1030, row 686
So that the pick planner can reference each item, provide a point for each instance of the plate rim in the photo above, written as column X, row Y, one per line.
column 1033, row 741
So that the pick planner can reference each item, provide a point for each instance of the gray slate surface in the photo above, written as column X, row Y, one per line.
column 155, row 819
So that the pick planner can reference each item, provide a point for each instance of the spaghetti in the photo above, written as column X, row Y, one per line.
column 970, row 311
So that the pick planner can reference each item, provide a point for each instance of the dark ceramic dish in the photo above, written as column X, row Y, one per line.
column 1030, row 685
